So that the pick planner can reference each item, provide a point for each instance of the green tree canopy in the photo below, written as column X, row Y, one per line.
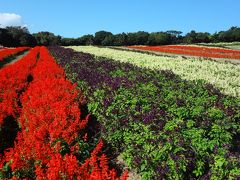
column 100, row 36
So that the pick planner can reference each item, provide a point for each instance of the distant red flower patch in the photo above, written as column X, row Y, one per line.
column 193, row 51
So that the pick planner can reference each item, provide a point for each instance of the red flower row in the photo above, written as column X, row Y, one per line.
column 50, row 119
column 204, row 48
column 13, row 80
column 8, row 52
column 193, row 51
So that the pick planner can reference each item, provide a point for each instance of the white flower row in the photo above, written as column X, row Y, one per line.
column 225, row 76
column 221, row 44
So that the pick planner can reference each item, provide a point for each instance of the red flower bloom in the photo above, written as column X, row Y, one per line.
column 50, row 115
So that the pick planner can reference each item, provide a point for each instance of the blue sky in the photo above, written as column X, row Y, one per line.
column 74, row 18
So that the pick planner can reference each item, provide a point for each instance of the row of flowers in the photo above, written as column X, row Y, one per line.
column 14, row 79
column 51, row 143
column 224, row 76
column 9, row 52
column 193, row 51
column 203, row 48
column 163, row 126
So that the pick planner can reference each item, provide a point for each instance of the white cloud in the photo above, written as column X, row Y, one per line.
column 10, row 19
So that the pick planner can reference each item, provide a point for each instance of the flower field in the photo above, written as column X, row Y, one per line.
column 69, row 115
column 224, row 76
column 9, row 52
column 43, row 132
column 165, row 121
column 211, row 52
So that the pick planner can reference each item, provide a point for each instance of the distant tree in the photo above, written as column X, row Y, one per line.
column 132, row 39
column 42, row 38
column 86, row 40
column 138, row 38
column 224, row 36
column 159, row 38
column 20, row 36
column 5, row 38
column 174, row 32
column 233, row 34
column 120, row 39
column 69, row 42
column 214, row 37
column 142, row 37
column 56, row 40
column 47, row 38
column 190, row 37
column 100, row 36
column 203, row 37
column 197, row 37
column 175, row 36
column 108, row 41
column 27, row 40
column 16, row 32
column 236, row 34
column 16, row 36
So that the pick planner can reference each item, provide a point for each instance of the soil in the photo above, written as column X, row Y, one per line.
column 132, row 174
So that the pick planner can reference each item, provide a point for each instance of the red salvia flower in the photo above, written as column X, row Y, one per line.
column 50, row 115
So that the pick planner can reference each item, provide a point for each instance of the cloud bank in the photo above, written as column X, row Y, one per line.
column 10, row 19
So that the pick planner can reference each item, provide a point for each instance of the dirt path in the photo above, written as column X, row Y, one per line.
column 15, row 59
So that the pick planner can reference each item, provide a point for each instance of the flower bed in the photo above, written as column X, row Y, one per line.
column 224, row 76
column 10, row 52
column 193, row 51
column 52, row 142
column 163, row 126
column 14, row 79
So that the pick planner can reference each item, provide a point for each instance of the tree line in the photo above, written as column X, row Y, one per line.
column 20, row 36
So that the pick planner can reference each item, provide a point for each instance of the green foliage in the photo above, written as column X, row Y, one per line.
column 163, row 126
column 6, row 171
column 215, row 113
column 233, row 34
column 190, row 123
column 86, row 40
column 138, row 38
column 100, row 36
column 159, row 38
column 120, row 39
column 16, row 36
column 47, row 38
column 197, row 37
column 69, row 41
column 19, row 36
column 108, row 40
